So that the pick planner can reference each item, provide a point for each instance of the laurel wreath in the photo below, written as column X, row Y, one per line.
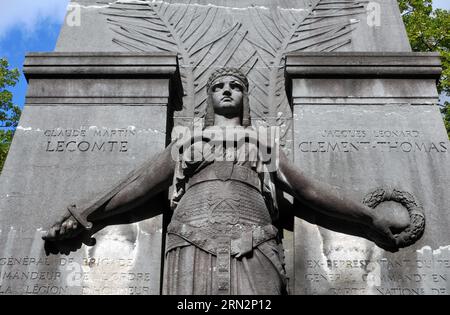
column 416, row 227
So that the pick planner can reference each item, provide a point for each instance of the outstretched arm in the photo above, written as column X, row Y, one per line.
column 156, row 177
column 321, row 198
column 152, row 178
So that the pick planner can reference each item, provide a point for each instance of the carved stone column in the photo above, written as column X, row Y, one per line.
column 89, row 119
column 362, row 122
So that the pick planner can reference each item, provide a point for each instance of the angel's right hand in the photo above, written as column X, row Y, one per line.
column 67, row 227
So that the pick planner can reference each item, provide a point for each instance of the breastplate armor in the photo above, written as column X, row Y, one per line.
column 222, row 200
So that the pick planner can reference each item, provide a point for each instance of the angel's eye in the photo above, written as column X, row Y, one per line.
column 217, row 86
column 236, row 86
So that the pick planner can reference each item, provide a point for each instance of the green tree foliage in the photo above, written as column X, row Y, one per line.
column 9, row 113
column 429, row 30
column 446, row 113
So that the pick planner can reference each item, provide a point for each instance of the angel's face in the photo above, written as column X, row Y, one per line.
column 227, row 95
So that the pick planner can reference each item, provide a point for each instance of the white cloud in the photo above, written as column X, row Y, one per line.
column 27, row 14
column 441, row 4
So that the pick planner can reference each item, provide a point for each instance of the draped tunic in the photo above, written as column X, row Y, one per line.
column 221, row 238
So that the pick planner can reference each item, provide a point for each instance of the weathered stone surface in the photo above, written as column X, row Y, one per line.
column 381, row 21
column 397, row 140
column 95, row 111
column 252, row 35
column 78, row 136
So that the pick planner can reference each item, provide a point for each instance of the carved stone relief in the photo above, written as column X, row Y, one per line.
column 254, row 39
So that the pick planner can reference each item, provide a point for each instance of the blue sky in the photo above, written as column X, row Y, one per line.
column 443, row 4
column 33, row 26
column 28, row 26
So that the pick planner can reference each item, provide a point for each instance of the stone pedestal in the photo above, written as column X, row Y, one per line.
column 253, row 35
column 364, row 121
column 89, row 119
column 358, row 121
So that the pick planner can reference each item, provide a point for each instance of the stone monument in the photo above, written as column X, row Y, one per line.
column 355, row 107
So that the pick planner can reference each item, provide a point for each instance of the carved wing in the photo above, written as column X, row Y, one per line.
column 255, row 39
column 325, row 26
column 198, row 34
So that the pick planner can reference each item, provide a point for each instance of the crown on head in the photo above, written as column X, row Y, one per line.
column 223, row 72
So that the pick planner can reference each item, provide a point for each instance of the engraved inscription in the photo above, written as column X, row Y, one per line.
column 429, row 273
column 87, row 146
column 349, row 141
column 62, row 279
column 93, row 139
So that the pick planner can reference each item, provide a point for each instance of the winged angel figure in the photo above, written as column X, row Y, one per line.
column 222, row 238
